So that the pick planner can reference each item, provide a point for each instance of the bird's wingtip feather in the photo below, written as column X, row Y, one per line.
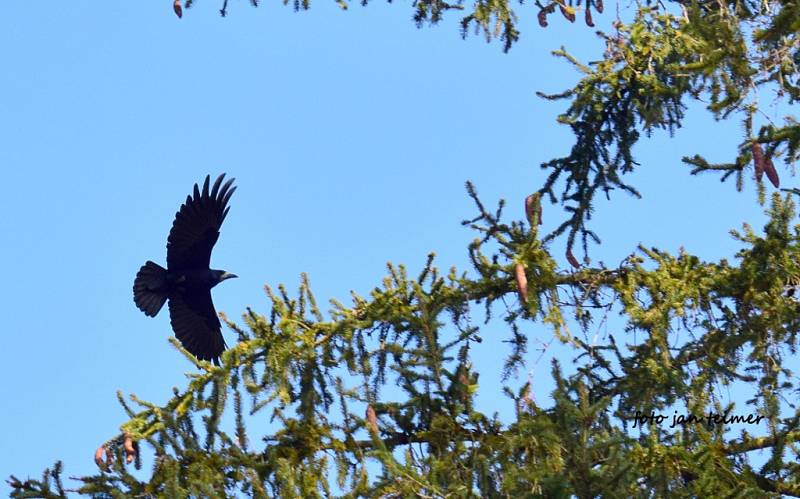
column 228, row 196
column 205, row 187
column 215, row 189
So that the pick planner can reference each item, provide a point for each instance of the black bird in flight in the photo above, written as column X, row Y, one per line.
column 188, row 279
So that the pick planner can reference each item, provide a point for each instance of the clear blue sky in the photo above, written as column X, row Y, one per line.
column 351, row 135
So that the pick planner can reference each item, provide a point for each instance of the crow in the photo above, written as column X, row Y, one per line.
column 188, row 279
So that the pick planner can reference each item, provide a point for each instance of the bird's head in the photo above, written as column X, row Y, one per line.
column 221, row 275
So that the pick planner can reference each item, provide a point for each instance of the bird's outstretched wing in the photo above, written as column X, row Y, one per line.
column 196, row 226
column 196, row 325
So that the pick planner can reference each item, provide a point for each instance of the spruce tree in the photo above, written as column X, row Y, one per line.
column 376, row 397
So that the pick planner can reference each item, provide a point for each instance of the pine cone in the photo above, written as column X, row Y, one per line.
column 533, row 209
column 772, row 173
column 522, row 282
column 542, row 18
column 372, row 420
column 588, row 17
column 758, row 160
column 130, row 450
column 99, row 454
column 572, row 260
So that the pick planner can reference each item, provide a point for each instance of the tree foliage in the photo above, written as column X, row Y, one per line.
column 377, row 397
column 726, row 55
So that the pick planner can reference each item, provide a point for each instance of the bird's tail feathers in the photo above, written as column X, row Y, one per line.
column 150, row 288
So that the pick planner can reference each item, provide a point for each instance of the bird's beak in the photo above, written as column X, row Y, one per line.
column 228, row 275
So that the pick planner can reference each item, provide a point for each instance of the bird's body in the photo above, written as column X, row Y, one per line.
column 187, row 281
column 195, row 278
